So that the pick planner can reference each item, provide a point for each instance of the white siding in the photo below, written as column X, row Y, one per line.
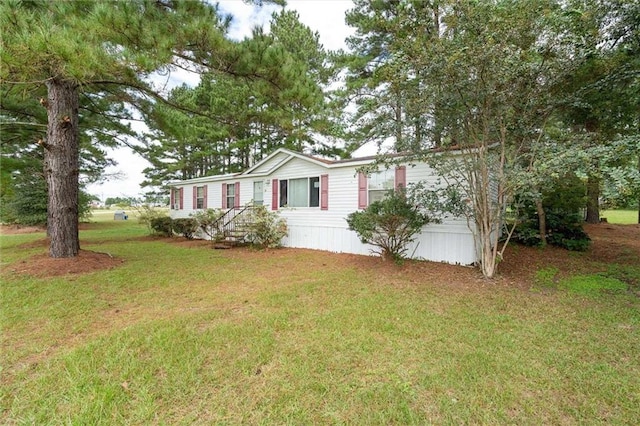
column 313, row 228
column 269, row 164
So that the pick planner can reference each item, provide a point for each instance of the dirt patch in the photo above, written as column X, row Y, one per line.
column 614, row 243
column 42, row 265
column 183, row 242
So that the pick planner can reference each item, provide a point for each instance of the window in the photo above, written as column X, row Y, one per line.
column 283, row 193
column 176, row 198
column 379, row 183
column 314, row 192
column 231, row 196
column 303, row 192
column 258, row 193
column 200, row 197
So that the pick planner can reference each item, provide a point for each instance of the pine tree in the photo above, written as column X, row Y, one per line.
column 102, row 49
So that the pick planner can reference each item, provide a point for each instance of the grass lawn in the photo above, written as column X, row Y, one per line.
column 620, row 216
column 182, row 334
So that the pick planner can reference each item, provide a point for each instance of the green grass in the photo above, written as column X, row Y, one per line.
column 182, row 335
column 624, row 217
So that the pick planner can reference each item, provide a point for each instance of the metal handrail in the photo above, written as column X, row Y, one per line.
column 226, row 223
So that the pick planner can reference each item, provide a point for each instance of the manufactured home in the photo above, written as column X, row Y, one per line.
column 316, row 195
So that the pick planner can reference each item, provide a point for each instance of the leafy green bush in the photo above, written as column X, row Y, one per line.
column 389, row 224
column 186, row 227
column 562, row 203
column 266, row 229
column 208, row 222
column 146, row 214
column 162, row 226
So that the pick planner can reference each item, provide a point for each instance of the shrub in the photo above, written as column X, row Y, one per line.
column 565, row 230
column 186, row 227
column 162, row 226
column 266, row 229
column 208, row 222
column 146, row 214
column 389, row 224
column 562, row 203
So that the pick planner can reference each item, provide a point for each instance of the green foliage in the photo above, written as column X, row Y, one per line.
column 162, row 226
column 562, row 202
column 26, row 203
column 565, row 230
column 505, row 75
column 252, row 117
column 186, row 227
column 84, row 205
column 120, row 201
column 208, row 222
column 266, row 228
column 389, row 224
column 146, row 214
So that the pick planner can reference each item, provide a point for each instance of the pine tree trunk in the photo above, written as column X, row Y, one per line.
column 593, row 196
column 61, row 168
column 400, row 146
column 542, row 222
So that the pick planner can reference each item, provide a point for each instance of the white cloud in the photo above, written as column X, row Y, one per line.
column 327, row 18
column 324, row 16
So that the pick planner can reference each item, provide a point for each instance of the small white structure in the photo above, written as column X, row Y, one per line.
column 120, row 215
column 315, row 196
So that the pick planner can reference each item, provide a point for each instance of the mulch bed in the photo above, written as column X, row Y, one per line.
column 610, row 244
column 42, row 265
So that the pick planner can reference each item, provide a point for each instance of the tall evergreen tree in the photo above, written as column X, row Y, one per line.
column 253, row 116
column 98, row 48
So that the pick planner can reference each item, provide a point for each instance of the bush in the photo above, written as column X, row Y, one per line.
column 562, row 204
column 389, row 224
column 186, row 227
column 208, row 222
column 162, row 226
column 565, row 230
column 266, row 229
column 146, row 214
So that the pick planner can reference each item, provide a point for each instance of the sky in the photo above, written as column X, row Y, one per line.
column 324, row 16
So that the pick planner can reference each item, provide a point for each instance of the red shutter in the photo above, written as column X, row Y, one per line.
column 172, row 197
column 181, row 198
column 274, row 194
column 236, row 200
column 195, row 197
column 204, row 190
column 324, row 192
column 401, row 177
column 224, row 195
column 362, row 190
